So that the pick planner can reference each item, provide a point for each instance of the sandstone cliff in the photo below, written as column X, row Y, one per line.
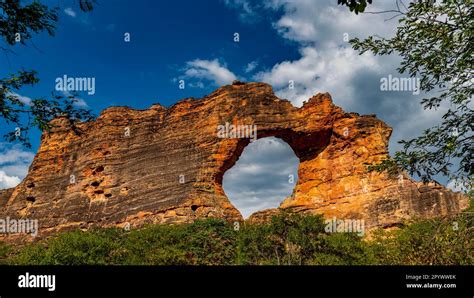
column 165, row 165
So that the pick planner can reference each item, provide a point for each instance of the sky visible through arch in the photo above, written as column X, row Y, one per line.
column 264, row 175
column 304, row 41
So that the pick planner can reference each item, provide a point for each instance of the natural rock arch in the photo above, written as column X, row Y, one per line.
column 263, row 176
column 165, row 165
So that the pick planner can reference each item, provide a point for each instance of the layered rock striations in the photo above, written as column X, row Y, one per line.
column 166, row 165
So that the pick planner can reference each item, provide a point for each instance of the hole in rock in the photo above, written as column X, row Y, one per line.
column 31, row 199
column 194, row 207
column 95, row 183
column 263, row 176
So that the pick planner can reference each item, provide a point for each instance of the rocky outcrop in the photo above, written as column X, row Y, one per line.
column 166, row 165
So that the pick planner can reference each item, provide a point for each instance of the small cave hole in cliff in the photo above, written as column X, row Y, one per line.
column 263, row 176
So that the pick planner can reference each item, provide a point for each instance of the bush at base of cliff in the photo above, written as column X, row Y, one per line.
column 4, row 251
column 72, row 248
column 446, row 241
column 207, row 242
column 295, row 239
column 343, row 249
column 152, row 245
column 204, row 242
column 289, row 239
column 211, row 242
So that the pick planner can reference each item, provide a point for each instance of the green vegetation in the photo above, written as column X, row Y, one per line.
column 19, row 22
column 434, row 41
column 289, row 239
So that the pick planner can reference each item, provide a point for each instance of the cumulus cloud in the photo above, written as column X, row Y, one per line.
column 70, row 12
column 318, row 71
column 14, row 163
column 310, row 21
column 260, row 178
column 211, row 70
column 8, row 181
column 327, row 63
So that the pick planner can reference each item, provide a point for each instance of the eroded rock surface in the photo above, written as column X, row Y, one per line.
column 165, row 165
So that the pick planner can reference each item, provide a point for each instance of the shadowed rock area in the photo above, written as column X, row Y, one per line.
column 166, row 165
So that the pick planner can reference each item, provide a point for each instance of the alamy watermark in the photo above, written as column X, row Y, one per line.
column 14, row 226
column 232, row 131
column 67, row 84
column 28, row 280
column 391, row 83
column 335, row 225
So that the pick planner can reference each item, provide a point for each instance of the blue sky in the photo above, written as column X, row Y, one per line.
column 164, row 36
column 279, row 40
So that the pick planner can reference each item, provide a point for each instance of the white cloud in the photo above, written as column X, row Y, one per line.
column 80, row 103
column 456, row 186
column 329, row 64
column 309, row 21
column 211, row 70
column 24, row 99
column 318, row 71
column 251, row 66
column 70, row 12
column 14, row 163
column 197, row 85
column 246, row 9
column 15, row 154
column 8, row 181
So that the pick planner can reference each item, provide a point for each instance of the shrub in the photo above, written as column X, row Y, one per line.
column 289, row 239
column 204, row 242
column 153, row 245
column 447, row 241
column 71, row 248
column 211, row 242
column 342, row 249
column 5, row 249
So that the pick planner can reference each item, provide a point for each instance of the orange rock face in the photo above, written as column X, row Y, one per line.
column 166, row 165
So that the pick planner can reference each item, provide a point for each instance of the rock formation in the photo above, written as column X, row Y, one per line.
column 166, row 165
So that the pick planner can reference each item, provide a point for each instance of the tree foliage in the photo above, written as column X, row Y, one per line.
column 37, row 112
column 18, row 23
column 355, row 6
column 435, row 41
